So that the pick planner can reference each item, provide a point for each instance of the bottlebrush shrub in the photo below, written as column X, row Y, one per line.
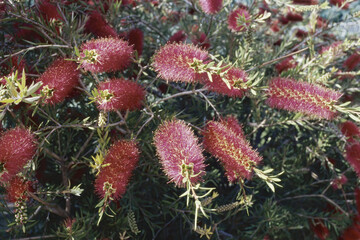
column 97, row 25
column 17, row 147
column 120, row 161
column 210, row 6
column 59, row 80
column 299, row 127
column 105, row 55
column 120, row 95
column 226, row 141
column 173, row 62
column 302, row 97
column 236, row 78
column 177, row 147
column 234, row 19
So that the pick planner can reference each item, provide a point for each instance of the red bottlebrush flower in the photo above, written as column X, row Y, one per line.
column 48, row 10
column 59, row 80
column 176, row 146
column 333, row 47
column 121, row 95
column 14, row 64
column 352, row 61
column 294, row 17
column 136, row 38
column 179, row 37
column 17, row 147
column 302, row 97
column 285, row 64
column 357, row 197
column 301, row 34
column 201, row 41
column 172, row 62
column 319, row 228
column 210, row 6
column 233, row 19
column 235, row 77
column 226, row 141
column 105, row 55
column 353, row 156
column 97, row 25
column 306, row 2
column 283, row 20
column 26, row 31
column 338, row 182
column 274, row 26
column 339, row 3
column 17, row 189
column 321, row 22
column 122, row 158
column 350, row 129
column 351, row 233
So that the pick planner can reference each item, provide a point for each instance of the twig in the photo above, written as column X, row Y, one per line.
column 315, row 196
column 36, row 47
column 277, row 59
column 180, row 94
column 37, row 237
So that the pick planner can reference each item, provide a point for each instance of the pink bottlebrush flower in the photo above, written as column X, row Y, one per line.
column 97, row 25
column 122, row 158
column 225, row 140
column 339, row 3
column 172, row 62
column 285, row 64
column 210, row 6
column 236, row 77
column 306, row 2
column 178, row 37
column 302, row 97
column 48, row 10
column 352, row 61
column 176, row 146
column 294, row 17
column 17, row 189
column 353, row 156
column 59, row 80
column 17, row 147
column 122, row 95
column 201, row 41
column 233, row 19
column 136, row 38
column 350, row 129
column 106, row 55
